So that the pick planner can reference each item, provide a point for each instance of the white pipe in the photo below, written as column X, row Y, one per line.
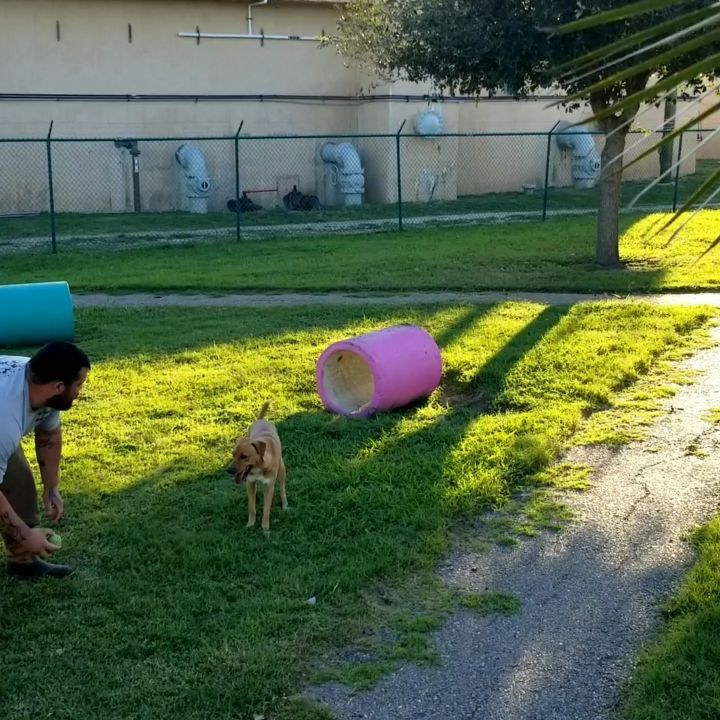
column 249, row 15
column 586, row 162
column 351, row 176
column 244, row 36
column 578, row 140
column 249, row 35
column 342, row 154
column 197, row 180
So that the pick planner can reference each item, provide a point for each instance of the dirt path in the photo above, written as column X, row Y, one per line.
column 102, row 300
column 590, row 595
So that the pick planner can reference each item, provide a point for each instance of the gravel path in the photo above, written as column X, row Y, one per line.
column 590, row 595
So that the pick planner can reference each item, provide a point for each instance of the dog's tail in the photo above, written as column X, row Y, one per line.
column 263, row 410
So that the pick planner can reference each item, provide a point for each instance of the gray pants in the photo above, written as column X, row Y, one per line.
column 18, row 486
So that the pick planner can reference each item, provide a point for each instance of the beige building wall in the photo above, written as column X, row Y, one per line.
column 94, row 56
column 131, row 47
column 709, row 142
column 504, row 163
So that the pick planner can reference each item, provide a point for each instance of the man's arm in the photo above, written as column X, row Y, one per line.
column 11, row 525
column 14, row 529
column 48, row 450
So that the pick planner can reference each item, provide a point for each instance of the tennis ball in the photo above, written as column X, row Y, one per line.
column 55, row 539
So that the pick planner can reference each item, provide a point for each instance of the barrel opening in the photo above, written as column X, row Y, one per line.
column 348, row 381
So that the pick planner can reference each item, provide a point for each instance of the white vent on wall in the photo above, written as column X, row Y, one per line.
column 429, row 122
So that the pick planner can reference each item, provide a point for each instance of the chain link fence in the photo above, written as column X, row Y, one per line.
column 58, row 194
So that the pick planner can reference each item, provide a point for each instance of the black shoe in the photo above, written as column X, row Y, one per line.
column 38, row 569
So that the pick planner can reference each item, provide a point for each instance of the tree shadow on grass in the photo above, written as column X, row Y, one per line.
column 178, row 609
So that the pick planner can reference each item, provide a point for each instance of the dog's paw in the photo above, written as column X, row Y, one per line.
column 250, row 524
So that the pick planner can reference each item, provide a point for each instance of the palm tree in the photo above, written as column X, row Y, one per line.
column 686, row 45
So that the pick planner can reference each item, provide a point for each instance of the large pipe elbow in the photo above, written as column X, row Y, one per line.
column 350, row 174
column 344, row 155
column 192, row 161
column 586, row 161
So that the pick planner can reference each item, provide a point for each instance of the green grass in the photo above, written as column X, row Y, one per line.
column 553, row 256
column 489, row 603
column 397, row 622
column 124, row 224
column 177, row 610
column 679, row 678
column 631, row 412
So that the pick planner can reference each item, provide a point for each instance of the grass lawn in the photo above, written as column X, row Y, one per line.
column 556, row 255
column 680, row 677
column 179, row 611
column 69, row 225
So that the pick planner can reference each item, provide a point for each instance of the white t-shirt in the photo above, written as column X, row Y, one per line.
column 17, row 418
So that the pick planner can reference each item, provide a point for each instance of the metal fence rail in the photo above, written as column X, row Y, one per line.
column 62, row 193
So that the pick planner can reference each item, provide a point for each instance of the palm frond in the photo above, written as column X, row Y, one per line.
column 622, row 13
column 671, row 121
column 654, row 61
column 676, row 79
column 712, row 182
column 712, row 246
column 637, row 39
column 688, row 220
column 674, row 166
column 667, row 138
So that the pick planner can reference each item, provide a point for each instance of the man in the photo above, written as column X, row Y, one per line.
column 32, row 393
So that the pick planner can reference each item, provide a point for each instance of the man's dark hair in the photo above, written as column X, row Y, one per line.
column 58, row 362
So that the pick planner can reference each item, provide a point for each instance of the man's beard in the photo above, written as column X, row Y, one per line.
column 59, row 402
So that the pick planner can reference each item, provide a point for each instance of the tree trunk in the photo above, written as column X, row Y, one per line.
column 607, row 253
column 607, row 250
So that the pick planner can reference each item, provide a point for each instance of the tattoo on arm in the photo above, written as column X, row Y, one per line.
column 46, row 442
column 48, row 451
column 9, row 527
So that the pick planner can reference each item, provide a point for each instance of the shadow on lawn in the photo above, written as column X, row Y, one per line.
column 170, row 574
column 567, row 649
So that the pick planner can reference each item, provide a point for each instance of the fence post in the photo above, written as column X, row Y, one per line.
column 53, row 235
column 399, row 176
column 547, row 171
column 237, row 179
column 677, row 172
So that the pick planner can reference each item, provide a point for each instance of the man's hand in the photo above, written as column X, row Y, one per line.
column 15, row 531
column 35, row 541
column 54, row 507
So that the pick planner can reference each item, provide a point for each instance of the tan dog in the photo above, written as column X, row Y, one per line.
column 257, row 458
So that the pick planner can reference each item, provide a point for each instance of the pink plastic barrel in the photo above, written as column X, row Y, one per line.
column 381, row 370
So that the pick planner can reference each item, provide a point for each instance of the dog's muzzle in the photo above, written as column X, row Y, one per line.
column 241, row 476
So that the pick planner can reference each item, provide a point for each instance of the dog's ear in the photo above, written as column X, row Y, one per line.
column 260, row 446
